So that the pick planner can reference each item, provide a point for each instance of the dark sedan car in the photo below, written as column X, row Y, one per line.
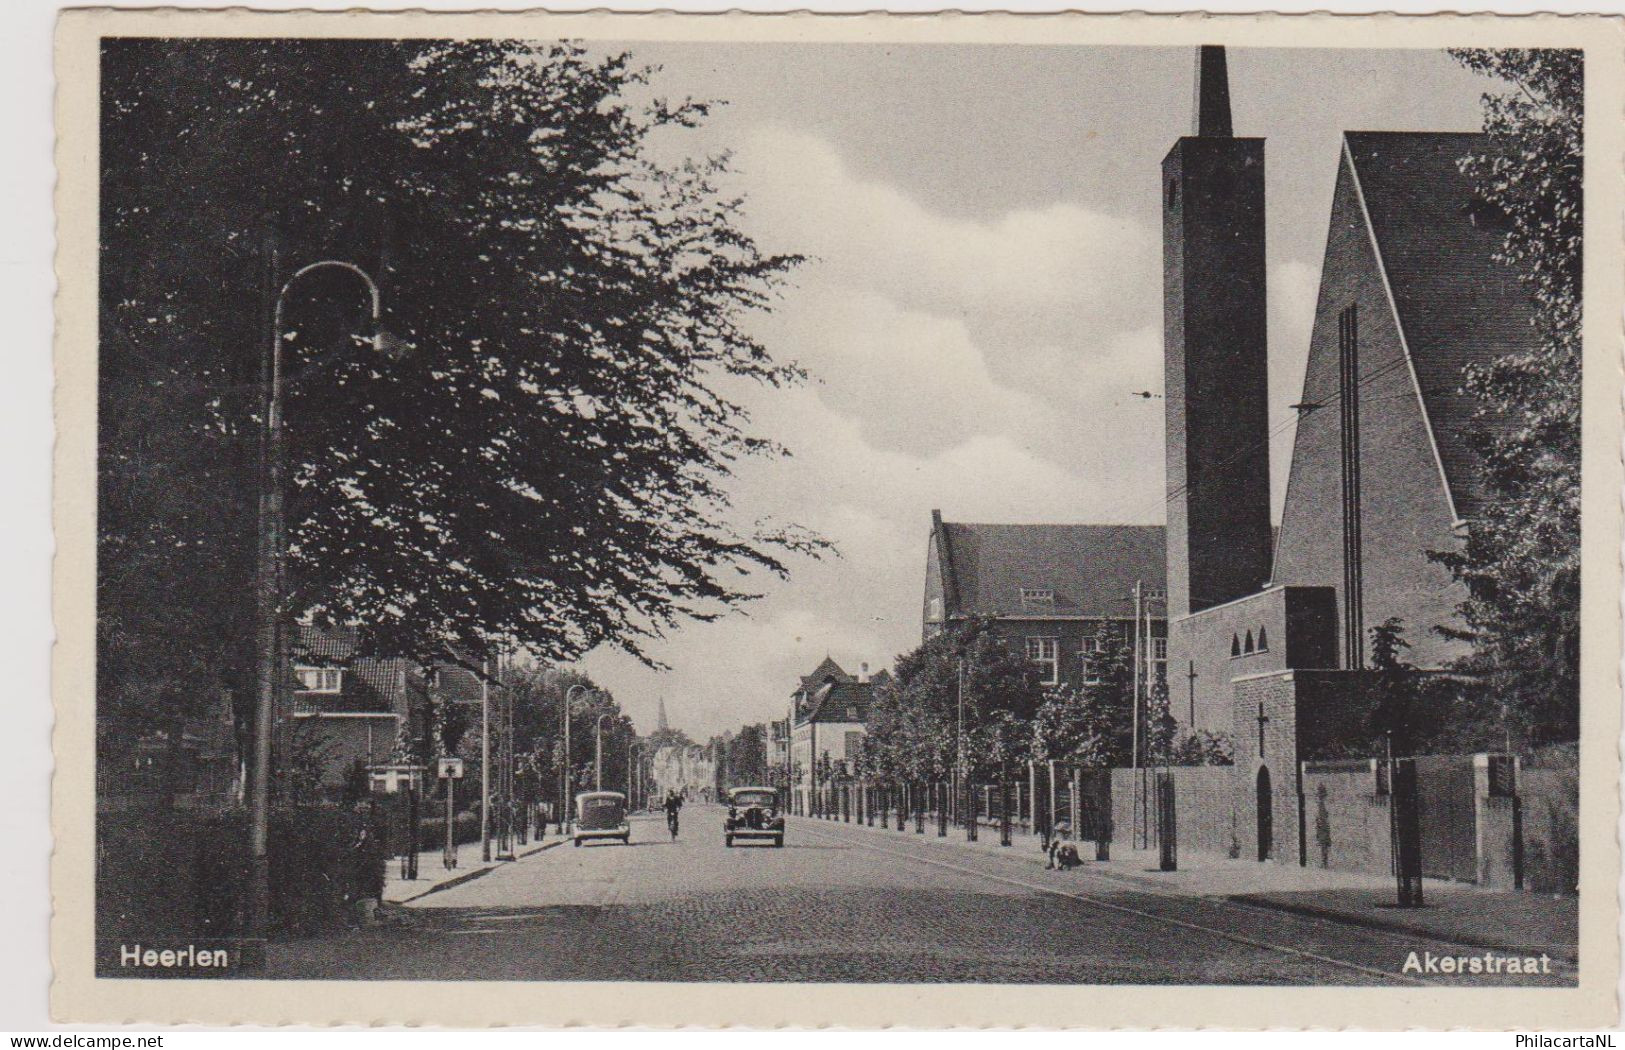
column 753, row 813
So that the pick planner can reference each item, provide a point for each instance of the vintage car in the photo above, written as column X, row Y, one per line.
column 601, row 815
column 753, row 813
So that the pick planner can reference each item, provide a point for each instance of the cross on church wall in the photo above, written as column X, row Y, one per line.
column 1192, row 676
column 1262, row 719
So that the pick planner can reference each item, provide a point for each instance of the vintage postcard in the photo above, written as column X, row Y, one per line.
column 934, row 521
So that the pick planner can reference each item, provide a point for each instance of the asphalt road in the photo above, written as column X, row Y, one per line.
column 840, row 903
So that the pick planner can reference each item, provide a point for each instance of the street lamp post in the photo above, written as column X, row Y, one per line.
column 268, row 592
column 564, row 771
column 598, row 753
column 631, row 785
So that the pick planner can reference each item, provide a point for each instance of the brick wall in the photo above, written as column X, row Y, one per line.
column 1299, row 625
column 1276, row 696
column 345, row 740
column 1214, row 371
column 1405, row 509
column 1346, row 820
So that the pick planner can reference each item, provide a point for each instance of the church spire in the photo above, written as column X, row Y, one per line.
column 1212, row 116
column 661, row 725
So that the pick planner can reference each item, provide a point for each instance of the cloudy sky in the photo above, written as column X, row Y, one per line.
column 983, row 302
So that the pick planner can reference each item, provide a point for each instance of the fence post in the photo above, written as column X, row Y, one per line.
column 1004, row 807
column 1103, row 801
column 409, row 859
column 1406, row 830
column 1167, row 834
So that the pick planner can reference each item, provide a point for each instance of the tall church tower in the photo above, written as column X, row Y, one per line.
column 1214, row 350
column 661, row 725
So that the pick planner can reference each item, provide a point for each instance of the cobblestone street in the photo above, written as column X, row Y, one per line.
column 842, row 903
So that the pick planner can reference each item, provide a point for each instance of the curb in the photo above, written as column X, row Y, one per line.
column 1351, row 918
column 470, row 876
column 448, row 884
column 1347, row 918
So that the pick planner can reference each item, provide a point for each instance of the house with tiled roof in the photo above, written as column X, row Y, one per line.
column 1050, row 589
column 829, row 714
column 352, row 708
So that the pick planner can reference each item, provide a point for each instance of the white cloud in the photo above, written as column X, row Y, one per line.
column 1039, row 274
column 984, row 367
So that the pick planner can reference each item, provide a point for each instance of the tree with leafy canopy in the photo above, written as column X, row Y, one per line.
column 913, row 719
column 1520, row 562
column 545, row 469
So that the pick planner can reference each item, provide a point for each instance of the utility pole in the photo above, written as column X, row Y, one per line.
column 598, row 753
column 485, row 762
column 959, row 730
column 1134, row 758
column 1139, row 786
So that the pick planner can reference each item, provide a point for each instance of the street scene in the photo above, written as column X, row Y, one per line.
column 673, row 511
column 847, row 903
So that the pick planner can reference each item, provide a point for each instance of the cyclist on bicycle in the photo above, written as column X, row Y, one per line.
column 674, row 803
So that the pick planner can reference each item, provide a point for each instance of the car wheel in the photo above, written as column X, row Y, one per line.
column 728, row 840
column 778, row 843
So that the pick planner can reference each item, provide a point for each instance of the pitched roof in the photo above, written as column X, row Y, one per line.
column 825, row 670
column 369, row 685
column 1091, row 569
column 1457, row 305
column 833, row 701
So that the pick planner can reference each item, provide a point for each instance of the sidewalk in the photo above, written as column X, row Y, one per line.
column 1453, row 912
column 434, row 876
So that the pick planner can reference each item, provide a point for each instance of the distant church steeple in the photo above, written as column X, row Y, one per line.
column 661, row 726
column 1214, row 355
column 1212, row 109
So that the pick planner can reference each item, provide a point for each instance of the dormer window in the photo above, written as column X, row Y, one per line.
column 1037, row 598
column 319, row 679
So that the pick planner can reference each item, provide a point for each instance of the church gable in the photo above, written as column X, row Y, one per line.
column 1456, row 303
column 1366, row 497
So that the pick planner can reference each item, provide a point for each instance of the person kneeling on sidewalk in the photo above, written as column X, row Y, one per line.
column 1062, row 853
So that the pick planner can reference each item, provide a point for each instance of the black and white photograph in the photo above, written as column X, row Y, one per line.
column 578, row 508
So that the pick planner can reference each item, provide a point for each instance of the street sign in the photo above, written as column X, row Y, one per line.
column 451, row 769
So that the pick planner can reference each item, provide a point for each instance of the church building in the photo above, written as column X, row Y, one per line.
column 1263, row 636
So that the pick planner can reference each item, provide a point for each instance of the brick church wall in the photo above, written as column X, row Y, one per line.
column 1405, row 509
column 1276, row 694
column 1299, row 625
column 1204, row 811
column 1347, row 822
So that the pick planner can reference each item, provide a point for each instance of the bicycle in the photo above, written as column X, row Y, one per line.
column 671, row 824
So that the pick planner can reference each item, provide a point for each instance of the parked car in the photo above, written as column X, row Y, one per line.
column 753, row 813
column 601, row 815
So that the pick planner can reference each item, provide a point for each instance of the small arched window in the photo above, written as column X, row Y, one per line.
column 1247, row 646
column 1173, row 193
column 1235, row 645
column 1263, row 640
